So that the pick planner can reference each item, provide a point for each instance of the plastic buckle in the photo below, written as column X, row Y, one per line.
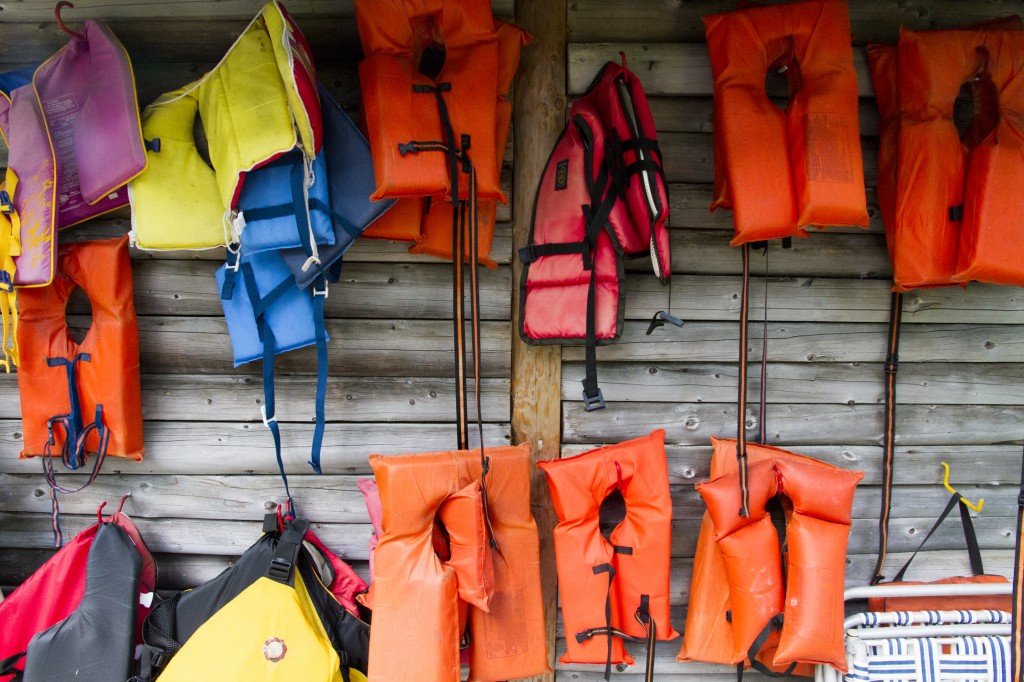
column 279, row 569
column 49, row 432
column 324, row 292
column 233, row 263
column 659, row 320
column 593, row 402
column 6, row 284
column 159, row 659
column 263, row 413
column 6, row 205
column 526, row 255
column 891, row 365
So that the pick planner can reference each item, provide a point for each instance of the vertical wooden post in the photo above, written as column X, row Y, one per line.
column 539, row 115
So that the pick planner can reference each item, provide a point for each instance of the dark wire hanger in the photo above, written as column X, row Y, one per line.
column 60, row 22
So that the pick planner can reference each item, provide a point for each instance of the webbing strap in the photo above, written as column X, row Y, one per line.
column 266, row 335
column 741, row 402
column 73, row 449
column 7, row 667
column 319, row 298
column 1017, row 631
column 9, row 315
column 888, row 435
column 970, row 538
column 775, row 623
column 286, row 553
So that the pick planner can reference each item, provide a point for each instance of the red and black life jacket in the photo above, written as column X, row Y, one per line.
column 602, row 198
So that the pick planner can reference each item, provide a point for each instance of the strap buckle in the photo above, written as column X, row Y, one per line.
column 527, row 255
column 159, row 659
column 233, row 263
column 263, row 413
column 280, row 569
column 6, row 205
column 593, row 402
column 659, row 320
column 319, row 292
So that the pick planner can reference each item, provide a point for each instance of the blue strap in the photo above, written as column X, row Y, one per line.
column 266, row 336
column 345, row 223
column 233, row 255
column 72, row 421
column 319, row 297
column 50, row 473
column 300, row 207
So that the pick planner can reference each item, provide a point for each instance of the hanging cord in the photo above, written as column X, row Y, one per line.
column 741, row 402
column 1017, row 631
column 889, row 435
column 464, row 218
column 762, row 432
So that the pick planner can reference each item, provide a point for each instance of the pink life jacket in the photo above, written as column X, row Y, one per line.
column 603, row 197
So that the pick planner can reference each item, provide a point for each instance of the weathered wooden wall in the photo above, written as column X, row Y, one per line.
column 209, row 471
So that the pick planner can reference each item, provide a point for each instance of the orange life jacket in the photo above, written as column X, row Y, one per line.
column 782, row 171
column 949, row 204
column 737, row 591
column 619, row 585
column 67, row 382
column 416, row 597
column 436, row 237
column 429, row 75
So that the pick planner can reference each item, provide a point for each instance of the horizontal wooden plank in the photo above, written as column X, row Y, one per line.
column 688, row 203
column 181, row 536
column 980, row 465
column 391, row 291
column 847, row 383
column 696, row 115
column 792, row 425
column 348, row 399
column 363, row 251
column 871, row 21
column 326, row 498
column 357, row 347
column 314, row 10
column 245, row 448
column 689, row 157
column 822, row 254
column 700, row 340
column 666, row 68
column 807, row 299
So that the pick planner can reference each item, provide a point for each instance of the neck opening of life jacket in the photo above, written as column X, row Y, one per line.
column 413, row 585
column 602, row 198
column 945, row 211
column 81, row 399
column 267, row 617
column 750, row 602
column 56, row 589
column 616, row 589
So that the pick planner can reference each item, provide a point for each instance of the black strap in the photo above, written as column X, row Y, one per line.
column 774, row 624
column 970, row 538
column 888, row 435
column 1017, row 631
column 286, row 554
column 7, row 667
column 529, row 254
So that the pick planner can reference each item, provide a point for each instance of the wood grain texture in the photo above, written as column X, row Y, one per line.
column 539, row 107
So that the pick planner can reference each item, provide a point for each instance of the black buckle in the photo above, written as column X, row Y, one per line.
column 407, row 148
column 527, row 255
column 153, row 145
column 593, row 402
column 659, row 320
column 159, row 659
column 582, row 637
column 892, row 364
column 280, row 570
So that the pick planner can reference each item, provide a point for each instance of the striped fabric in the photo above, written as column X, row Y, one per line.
column 929, row 659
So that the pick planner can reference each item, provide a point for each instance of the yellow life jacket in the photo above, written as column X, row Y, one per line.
column 258, row 103
column 270, row 632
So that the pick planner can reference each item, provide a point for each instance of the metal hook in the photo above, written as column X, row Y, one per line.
column 60, row 22
column 945, row 482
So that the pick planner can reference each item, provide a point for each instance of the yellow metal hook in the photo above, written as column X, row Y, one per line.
column 945, row 482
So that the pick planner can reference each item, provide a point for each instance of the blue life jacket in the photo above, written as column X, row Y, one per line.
column 350, row 184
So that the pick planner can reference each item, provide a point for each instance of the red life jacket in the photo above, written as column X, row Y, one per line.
column 603, row 197
column 56, row 588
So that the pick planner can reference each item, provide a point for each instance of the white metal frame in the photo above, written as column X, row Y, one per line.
column 856, row 634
